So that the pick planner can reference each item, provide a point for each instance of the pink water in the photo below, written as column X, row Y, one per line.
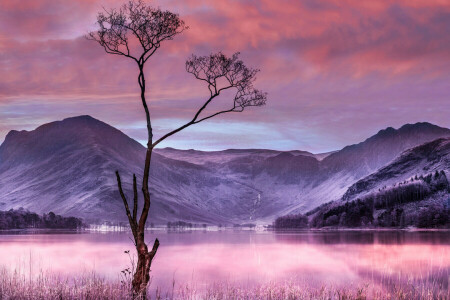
column 242, row 257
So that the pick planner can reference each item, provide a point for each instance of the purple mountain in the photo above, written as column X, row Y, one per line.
column 68, row 167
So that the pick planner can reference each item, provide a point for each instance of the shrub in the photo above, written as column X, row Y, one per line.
column 291, row 221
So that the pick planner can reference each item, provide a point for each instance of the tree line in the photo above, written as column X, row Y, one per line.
column 23, row 219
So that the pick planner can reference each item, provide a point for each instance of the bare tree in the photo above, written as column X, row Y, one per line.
column 150, row 27
column 221, row 73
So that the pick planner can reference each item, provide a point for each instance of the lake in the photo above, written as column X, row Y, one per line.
column 240, row 257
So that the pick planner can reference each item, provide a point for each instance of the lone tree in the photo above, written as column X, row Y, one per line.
column 136, row 31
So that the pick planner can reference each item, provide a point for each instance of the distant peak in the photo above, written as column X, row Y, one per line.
column 388, row 130
column 419, row 125
column 82, row 117
column 410, row 127
column 12, row 133
column 76, row 123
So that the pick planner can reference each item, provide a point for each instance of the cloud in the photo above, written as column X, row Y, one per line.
column 336, row 71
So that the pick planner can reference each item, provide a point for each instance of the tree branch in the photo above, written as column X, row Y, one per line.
column 171, row 133
column 135, row 200
column 127, row 209
column 218, row 113
column 154, row 249
column 236, row 75
column 108, row 49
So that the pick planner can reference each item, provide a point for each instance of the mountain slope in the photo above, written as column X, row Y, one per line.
column 68, row 167
column 65, row 167
column 419, row 161
column 375, row 152
column 413, row 190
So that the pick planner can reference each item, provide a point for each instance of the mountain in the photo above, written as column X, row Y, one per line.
column 375, row 152
column 418, row 161
column 339, row 170
column 205, row 157
column 68, row 167
column 413, row 190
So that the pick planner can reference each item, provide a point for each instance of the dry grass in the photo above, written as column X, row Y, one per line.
column 14, row 285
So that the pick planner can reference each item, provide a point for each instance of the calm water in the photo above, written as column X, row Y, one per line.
column 243, row 257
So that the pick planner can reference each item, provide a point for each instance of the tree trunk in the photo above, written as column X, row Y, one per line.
column 141, row 277
column 142, row 274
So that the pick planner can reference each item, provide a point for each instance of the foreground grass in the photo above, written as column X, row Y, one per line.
column 89, row 286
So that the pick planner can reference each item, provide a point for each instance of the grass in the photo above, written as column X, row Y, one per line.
column 14, row 285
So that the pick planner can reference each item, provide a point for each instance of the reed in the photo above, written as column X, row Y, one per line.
column 45, row 285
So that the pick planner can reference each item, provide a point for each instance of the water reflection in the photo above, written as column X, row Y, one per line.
column 245, row 257
column 366, row 237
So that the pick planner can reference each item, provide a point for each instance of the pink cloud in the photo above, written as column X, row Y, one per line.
column 317, row 57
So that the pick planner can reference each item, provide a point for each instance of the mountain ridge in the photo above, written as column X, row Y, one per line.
column 411, row 191
column 68, row 166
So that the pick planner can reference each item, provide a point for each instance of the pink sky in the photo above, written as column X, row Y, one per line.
column 336, row 71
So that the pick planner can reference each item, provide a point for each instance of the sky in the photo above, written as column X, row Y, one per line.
column 336, row 71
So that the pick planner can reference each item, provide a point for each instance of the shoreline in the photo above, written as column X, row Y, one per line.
column 214, row 229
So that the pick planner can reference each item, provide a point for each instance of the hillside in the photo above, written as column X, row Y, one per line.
column 413, row 190
column 68, row 167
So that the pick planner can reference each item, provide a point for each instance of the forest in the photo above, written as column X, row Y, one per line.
column 23, row 219
column 389, row 207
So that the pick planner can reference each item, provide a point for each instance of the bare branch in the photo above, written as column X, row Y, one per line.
column 218, row 113
column 148, row 25
column 171, row 133
column 146, row 192
column 154, row 249
column 222, row 73
column 135, row 199
column 127, row 209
